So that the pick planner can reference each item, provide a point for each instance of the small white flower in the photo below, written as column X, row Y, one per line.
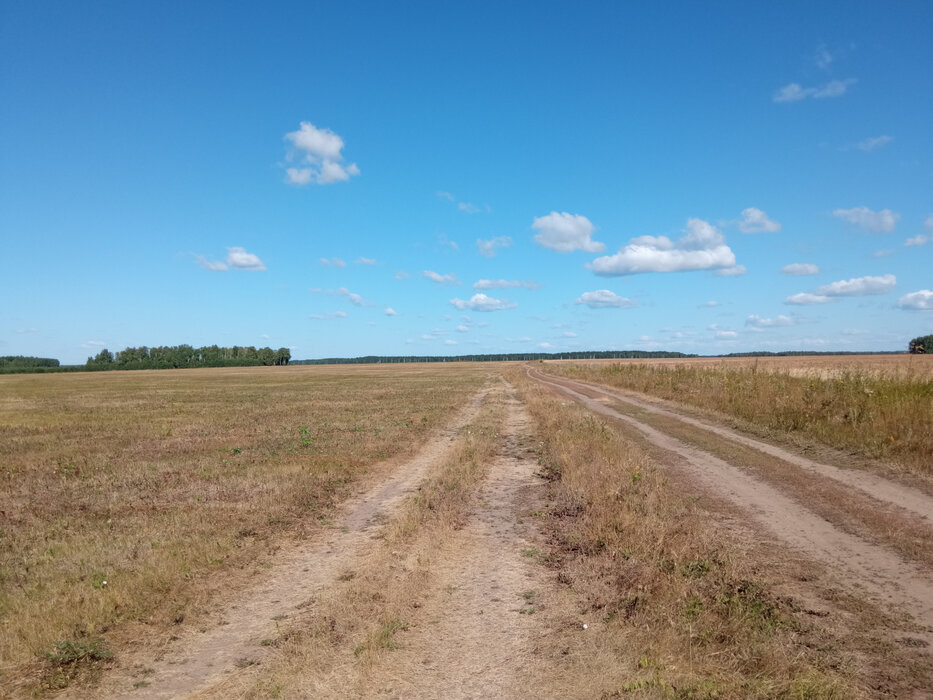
column 585, row 626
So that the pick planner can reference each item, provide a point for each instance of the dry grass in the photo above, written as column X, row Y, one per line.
column 685, row 612
column 124, row 494
column 354, row 624
column 886, row 415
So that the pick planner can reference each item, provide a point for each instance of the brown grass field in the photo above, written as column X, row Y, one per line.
column 138, row 508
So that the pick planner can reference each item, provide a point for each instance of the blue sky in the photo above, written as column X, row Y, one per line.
column 448, row 178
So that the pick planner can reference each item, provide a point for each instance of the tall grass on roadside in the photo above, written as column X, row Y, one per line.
column 124, row 496
column 685, row 613
column 880, row 416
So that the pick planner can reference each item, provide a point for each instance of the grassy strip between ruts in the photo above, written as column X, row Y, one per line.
column 123, row 495
column 355, row 623
column 687, row 615
column 877, row 415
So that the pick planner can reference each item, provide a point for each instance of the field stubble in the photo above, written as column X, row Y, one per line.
column 124, row 494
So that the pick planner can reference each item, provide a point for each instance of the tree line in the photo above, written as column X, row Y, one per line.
column 921, row 345
column 181, row 356
column 494, row 357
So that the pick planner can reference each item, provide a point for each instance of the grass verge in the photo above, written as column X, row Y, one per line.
column 880, row 416
column 682, row 610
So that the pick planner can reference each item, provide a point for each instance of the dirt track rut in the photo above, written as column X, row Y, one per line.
column 861, row 565
column 201, row 658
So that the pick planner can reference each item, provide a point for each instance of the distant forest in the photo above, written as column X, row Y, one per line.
column 493, row 357
column 180, row 356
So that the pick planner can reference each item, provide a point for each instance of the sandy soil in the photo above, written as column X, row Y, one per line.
column 200, row 658
column 476, row 633
column 861, row 566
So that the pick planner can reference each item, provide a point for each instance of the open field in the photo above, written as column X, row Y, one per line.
column 446, row 530
column 877, row 406
column 124, row 494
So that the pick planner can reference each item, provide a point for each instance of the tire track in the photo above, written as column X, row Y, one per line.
column 860, row 564
column 201, row 659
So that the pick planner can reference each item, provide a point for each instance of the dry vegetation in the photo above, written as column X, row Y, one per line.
column 880, row 407
column 687, row 613
column 123, row 495
column 364, row 617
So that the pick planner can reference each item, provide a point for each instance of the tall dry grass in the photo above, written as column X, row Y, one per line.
column 125, row 495
column 685, row 611
column 880, row 415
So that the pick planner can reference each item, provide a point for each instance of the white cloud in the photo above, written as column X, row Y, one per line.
column 364, row 261
column 882, row 221
column 703, row 247
column 859, row 286
column 726, row 335
column 922, row 239
column 870, row 144
column 463, row 329
column 756, row 221
column 800, row 269
column 239, row 259
column 756, row 321
column 450, row 342
column 506, row 284
column 468, row 208
column 920, row 301
column 734, row 271
column 794, row 92
column 390, row 311
column 446, row 195
column 604, row 299
column 355, row 299
column 94, row 344
column 333, row 262
column 544, row 345
column 324, row 317
column 321, row 152
column 823, row 58
column 441, row 279
column 806, row 299
column 882, row 253
column 565, row 232
column 215, row 265
column 298, row 176
column 928, row 224
column 401, row 275
column 710, row 304
column 488, row 248
column 481, row 302
column 569, row 334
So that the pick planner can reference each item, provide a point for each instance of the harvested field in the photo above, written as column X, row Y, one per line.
column 444, row 531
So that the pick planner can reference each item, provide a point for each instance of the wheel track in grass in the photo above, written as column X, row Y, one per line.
column 198, row 659
column 860, row 565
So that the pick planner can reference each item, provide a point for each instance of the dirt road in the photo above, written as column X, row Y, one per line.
column 861, row 562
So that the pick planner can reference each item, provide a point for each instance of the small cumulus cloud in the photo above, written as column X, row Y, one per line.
column 604, row 299
column 320, row 151
column 389, row 311
column 333, row 262
column 569, row 334
column 323, row 317
column 544, row 345
column 450, row 342
column 734, row 271
column 882, row 221
column 506, row 284
column 794, row 92
column 488, row 248
column 702, row 247
column 882, row 253
column 710, row 304
column 463, row 329
column 755, row 321
column 365, row 261
column 726, row 335
column 481, row 302
column 870, row 144
column 449, row 278
column 859, row 286
column 806, row 299
column 756, row 221
column 565, row 233
column 401, row 275
column 921, row 300
column 797, row 269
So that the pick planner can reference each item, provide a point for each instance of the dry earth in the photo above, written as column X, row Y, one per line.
column 485, row 626
column 860, row 564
